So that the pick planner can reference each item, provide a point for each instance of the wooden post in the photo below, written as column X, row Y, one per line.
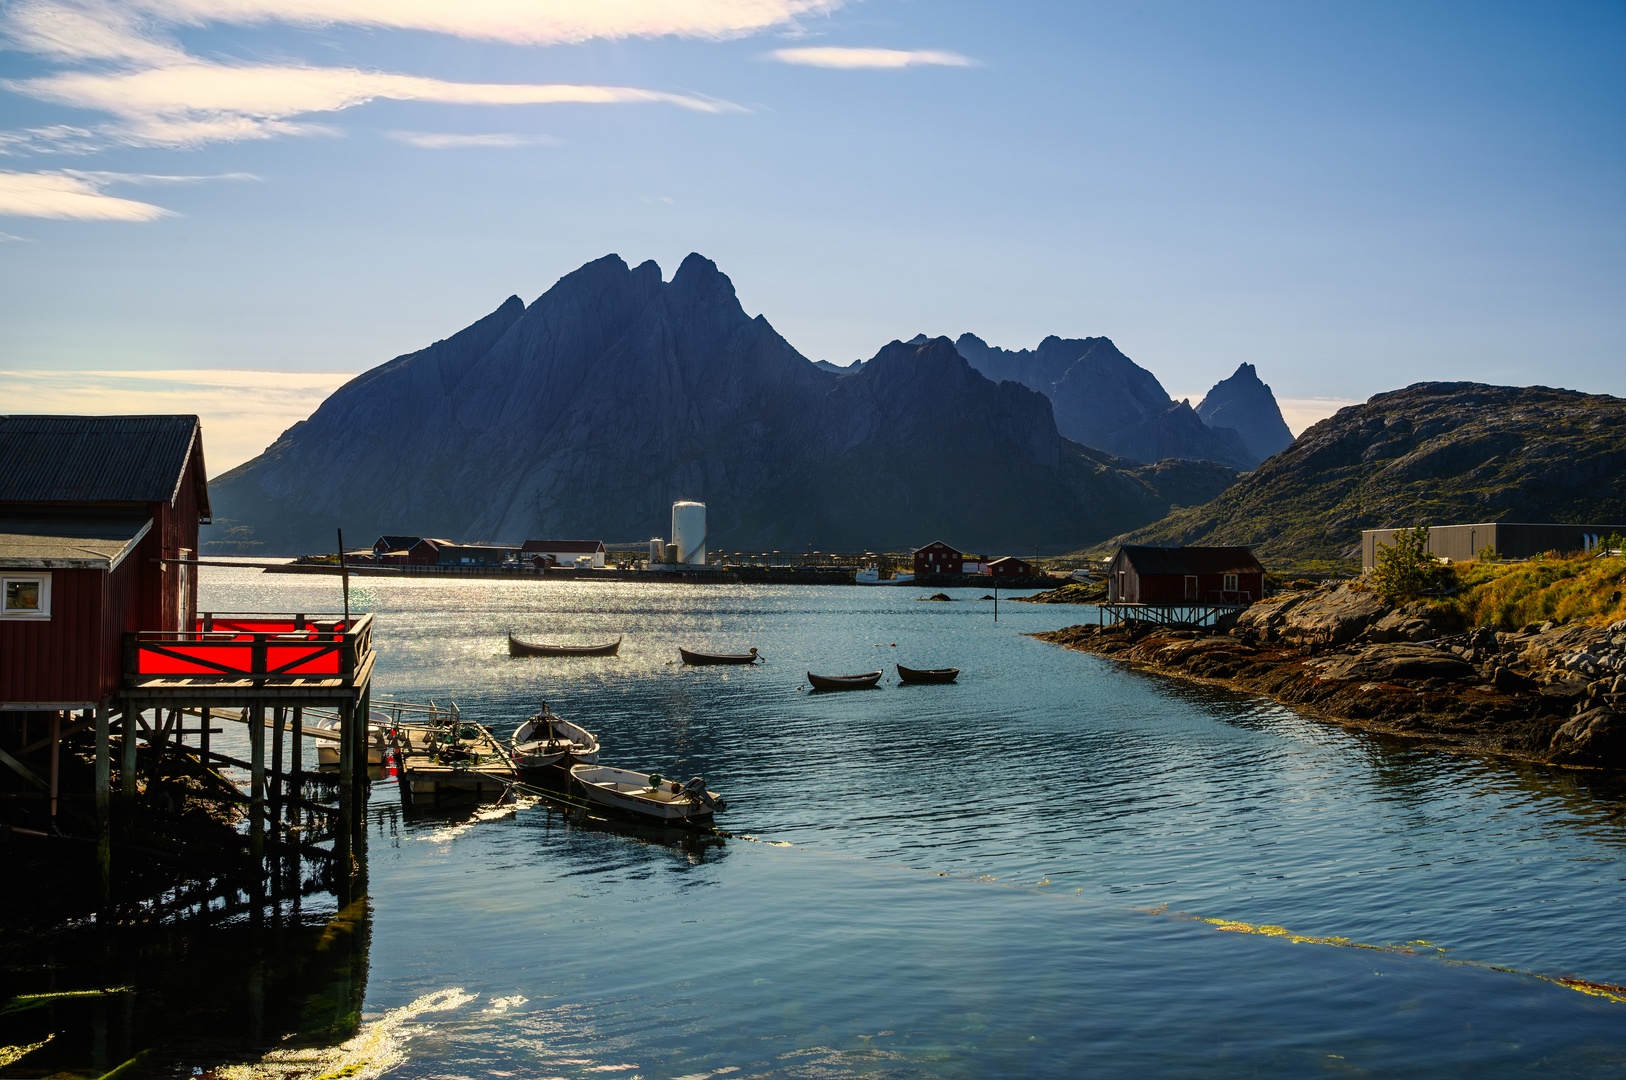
column 359, row 791
column 203, row 735
column 277, row 718
column 347, row 810
column 104, row 794
column 256, row 798
column 56, row 757
column 296, row 769
column 127, row 747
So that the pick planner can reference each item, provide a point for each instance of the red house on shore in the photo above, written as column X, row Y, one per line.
column 938, row 558
column 1012, row 567
column 95, row 515
column 1186, row 575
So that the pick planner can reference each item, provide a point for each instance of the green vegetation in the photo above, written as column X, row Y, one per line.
column 1405, row 569
column 1507, row 596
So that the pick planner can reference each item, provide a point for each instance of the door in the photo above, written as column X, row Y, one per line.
column 1191, row 586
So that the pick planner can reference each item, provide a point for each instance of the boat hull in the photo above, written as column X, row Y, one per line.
column 517, row 647
column 701, row 659
column 546, row 747
column 928, row 675
column 844, row 682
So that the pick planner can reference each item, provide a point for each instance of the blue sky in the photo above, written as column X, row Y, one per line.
column 1352, row 197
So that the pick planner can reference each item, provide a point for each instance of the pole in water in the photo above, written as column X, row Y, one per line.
column 344, row 578
column 996, row 599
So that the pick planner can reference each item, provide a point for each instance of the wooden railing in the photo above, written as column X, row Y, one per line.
column 266, row 648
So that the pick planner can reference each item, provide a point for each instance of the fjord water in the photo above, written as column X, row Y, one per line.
column 1002, row 877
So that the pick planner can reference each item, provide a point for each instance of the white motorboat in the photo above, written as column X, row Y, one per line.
column 545, row 740
column 646, row 795
column 871, row 575
column 325, row 730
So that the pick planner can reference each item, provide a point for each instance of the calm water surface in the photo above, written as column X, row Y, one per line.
column 995, row 878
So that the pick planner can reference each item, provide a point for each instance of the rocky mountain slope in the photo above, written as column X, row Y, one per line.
column 1104, row 399
column 590, row 411
column 1433, row 453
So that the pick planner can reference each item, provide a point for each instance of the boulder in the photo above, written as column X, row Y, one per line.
column 1595, row 737
column 1335, row 617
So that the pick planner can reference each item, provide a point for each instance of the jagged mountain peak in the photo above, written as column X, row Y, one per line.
column 1244, row 403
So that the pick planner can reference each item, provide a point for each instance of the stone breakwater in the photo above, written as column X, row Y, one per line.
column 1549, row 693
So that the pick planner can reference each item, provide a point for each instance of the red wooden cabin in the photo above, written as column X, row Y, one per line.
column 90, row 507
column 1196, row 575
column 1011, row 566
column 938, row 558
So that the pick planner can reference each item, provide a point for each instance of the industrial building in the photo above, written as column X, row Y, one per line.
column 1509, row 540
column 564, row 552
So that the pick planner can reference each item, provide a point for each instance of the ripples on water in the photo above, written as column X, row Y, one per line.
column 971, row 866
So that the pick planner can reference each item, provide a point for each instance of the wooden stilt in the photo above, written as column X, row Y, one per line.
column 203, row 733
column 278, row 716
column 127, row 747
column 256, row 798
column 104, row 798
column 296, row 769
column 343, row 838
column 56, row 758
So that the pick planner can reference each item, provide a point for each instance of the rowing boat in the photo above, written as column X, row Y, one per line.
column 646, row 795
column 547, row 742
column 844, row 682
column 690, row 656
column 516, row 647
column 928, row 675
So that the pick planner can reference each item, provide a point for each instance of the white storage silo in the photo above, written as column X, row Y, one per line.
column 657, row 550
column 689, row 532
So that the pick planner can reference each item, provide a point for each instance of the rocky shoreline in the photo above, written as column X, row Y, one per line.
column 1552, row 693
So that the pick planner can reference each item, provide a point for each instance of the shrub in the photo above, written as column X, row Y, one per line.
column 1405, row 569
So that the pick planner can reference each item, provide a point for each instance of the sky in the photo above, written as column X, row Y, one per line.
column 231, row 206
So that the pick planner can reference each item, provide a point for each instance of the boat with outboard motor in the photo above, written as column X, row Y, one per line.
column 844, row 682
column 545, row 743
column 516, row 647
column 649, row 796
column 700, row 659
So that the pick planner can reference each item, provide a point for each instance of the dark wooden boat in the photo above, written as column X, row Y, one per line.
column 692, row 657
column 928, row 675
column 516, row 647
column 844, row 682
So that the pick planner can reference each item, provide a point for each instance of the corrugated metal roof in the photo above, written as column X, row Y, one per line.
column 94, row 458
column 586, row 547
column 1192, row 560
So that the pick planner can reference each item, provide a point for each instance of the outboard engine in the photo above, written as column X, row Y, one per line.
column 696, row 789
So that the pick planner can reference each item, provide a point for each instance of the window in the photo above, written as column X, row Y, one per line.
column 26, row 596
column 1230, row 583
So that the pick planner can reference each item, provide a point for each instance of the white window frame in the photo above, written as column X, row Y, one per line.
column 44, row 582
column 1230, row 582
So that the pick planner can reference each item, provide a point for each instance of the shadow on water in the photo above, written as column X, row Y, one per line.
column 174, row 997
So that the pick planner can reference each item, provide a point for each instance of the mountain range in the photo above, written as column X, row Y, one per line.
column 588, row 412
column 1432, row 453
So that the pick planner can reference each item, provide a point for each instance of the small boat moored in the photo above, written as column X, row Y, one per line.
column 691, row 656
column 927, row 675
column 646, row 795
column 516, row 647
column 844, row 682
column 545, row 741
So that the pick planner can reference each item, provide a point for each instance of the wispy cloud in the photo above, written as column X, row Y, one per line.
column 431, row 140
column 831, row 56
column 524, row 22
column 243, row 412
column 76, row 194
column 187, row 104
column 8, row 238
column 69, row 197
column 129, row 66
